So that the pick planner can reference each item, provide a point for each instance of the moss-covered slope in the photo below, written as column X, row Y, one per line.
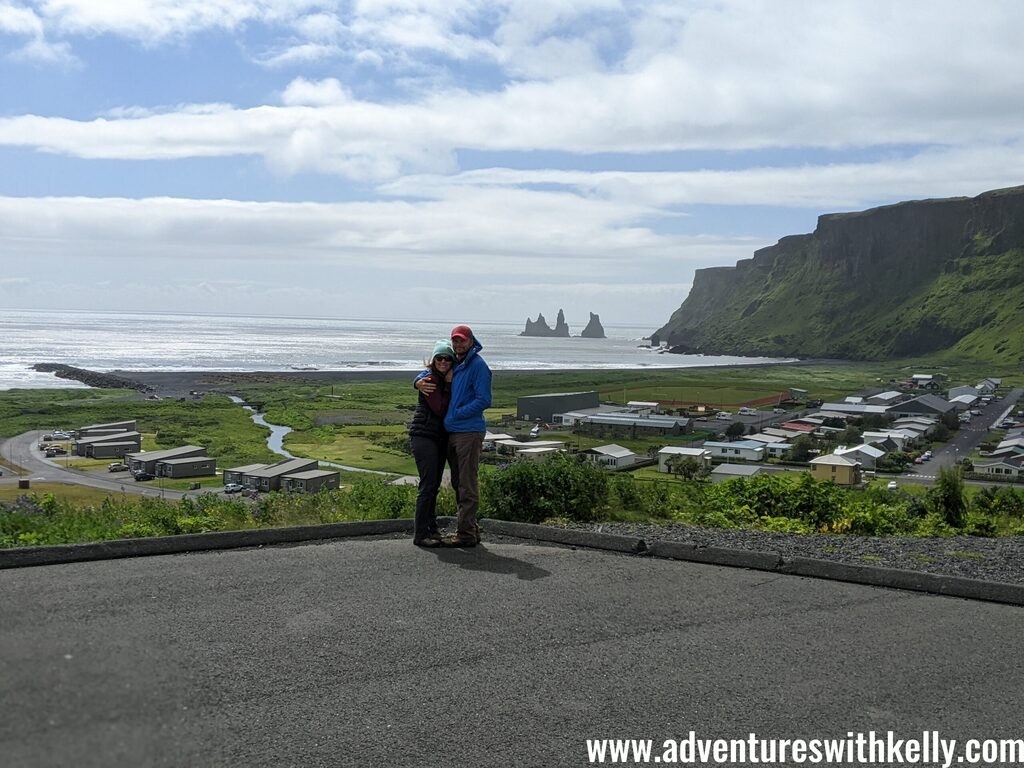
column 904, row 280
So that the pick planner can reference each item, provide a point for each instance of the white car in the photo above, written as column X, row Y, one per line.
column 892, row 485
column 234, row 488
column 724, row 416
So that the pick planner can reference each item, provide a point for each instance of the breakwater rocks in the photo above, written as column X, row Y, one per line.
column 91, row 378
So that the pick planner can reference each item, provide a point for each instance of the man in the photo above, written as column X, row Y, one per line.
column 471, row 395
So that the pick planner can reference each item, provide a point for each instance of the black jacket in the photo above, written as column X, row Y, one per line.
column 428, row 419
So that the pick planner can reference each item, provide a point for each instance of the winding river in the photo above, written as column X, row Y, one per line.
column 275, row 442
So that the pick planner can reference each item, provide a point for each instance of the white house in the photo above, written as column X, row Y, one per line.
column 866, row 454
column 697, row 454
column 614, row 456
column 1006, row 467
column 747, row 450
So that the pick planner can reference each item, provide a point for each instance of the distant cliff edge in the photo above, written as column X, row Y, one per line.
column 898, row 281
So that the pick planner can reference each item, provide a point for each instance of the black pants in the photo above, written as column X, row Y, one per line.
column 430, row 457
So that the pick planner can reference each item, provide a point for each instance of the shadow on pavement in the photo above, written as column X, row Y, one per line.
column 481, row 559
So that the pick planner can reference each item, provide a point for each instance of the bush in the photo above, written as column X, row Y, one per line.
column 873, row 519
column 534, row 491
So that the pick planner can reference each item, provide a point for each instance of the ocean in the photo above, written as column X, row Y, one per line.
column 140, row 341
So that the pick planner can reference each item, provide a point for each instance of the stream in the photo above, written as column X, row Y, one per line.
column 276, row 440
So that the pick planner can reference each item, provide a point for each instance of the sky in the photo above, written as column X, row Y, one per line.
column 471, row 160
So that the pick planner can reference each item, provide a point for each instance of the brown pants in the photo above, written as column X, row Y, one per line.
column 464, row 460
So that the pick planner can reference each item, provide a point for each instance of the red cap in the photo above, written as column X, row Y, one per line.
column 462, row 332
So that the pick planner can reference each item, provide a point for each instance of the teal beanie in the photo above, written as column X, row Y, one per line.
column 443, row 348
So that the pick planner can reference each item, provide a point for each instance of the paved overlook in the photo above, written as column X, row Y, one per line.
column 370, row 652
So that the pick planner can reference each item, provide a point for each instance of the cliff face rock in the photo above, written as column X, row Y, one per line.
column 594, row 329
column 540, row 327
column 902, row 280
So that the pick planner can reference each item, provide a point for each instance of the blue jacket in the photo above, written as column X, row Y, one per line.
column 471, row 393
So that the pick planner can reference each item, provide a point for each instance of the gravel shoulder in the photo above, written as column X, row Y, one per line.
column 999, row 560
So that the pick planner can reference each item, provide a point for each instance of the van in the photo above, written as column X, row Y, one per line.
column 724, row 416
column 745, row 411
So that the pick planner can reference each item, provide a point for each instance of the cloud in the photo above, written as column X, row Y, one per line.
column 301, row 91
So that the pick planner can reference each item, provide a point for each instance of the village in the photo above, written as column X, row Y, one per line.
column 847, row 442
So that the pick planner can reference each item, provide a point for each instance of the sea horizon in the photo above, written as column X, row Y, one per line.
column 146, row 341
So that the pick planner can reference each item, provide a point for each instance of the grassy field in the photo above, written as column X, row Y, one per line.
column 75, row 494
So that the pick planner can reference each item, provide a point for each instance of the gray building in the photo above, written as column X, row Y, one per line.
column 237, row 474
column 191, row 466
column 145, row 461
column 631, row 426
column 270, row 477
column 85, row 446
column 96, row 430
column 311, row 481
column 544, row 407
column 925, row 405
column 111, row 450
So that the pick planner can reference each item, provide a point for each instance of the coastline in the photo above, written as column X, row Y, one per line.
column 183, row 383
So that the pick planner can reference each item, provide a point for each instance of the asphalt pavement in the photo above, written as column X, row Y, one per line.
column 371, row 652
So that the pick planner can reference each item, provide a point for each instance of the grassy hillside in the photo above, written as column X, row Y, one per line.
column 935, row 277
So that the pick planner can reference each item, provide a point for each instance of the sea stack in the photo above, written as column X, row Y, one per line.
column 594, row 329
column 540, row 327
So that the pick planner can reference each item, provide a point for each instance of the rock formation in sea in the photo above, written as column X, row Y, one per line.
column 594, row 329
column 540, row 327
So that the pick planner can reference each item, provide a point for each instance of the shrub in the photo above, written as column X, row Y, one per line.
column 947, row 497
column 783, row 525
column 980, row 525
column 870, row 518
column 534, row 491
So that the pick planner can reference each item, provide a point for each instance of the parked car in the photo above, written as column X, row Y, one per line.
column 724, row 416
column 56, row 449
column 140, row 476
column 892, row 485
column 745, row 411
column 778, row 410
column 117, row 466
column 233, row 488
column 926, row 455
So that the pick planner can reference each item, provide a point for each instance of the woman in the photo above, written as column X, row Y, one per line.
column 429, row 441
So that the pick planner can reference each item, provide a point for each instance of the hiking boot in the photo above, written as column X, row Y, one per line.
column 461, row 540
column 431, row 541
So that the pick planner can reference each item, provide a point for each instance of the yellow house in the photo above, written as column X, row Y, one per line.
column 839, row 469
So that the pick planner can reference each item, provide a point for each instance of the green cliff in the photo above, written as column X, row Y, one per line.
column 903, row 280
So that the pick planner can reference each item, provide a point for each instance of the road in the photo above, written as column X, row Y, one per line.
column 22, row 450
column 966, row 439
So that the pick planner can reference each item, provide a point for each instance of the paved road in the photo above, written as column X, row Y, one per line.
column 967, row 438
column 22, row 450
column 375, row 653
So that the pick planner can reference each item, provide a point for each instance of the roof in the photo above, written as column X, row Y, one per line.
column 544, row 449
column 312, row 474
column 796, row 426
column 186, row 460
column 676, row 450
column 283, row 468
column 761, row 437
column 832, row 458
column 740, row 470
column 642, row 404
column 750, row 445
column 559, row 394
column 887, row 397
column 867, row 450
column 110, row 438
column 514, row 444
column 169, row 453
column 247, row 468
column 639, row 421
column 108, row 425
column 492, row 436
column 933, row 402
column 854, row 408
column 616, row 451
